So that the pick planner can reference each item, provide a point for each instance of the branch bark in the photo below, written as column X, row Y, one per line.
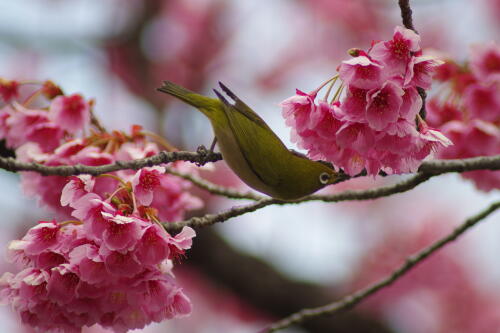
column 200, row 157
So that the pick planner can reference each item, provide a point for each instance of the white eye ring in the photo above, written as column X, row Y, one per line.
column 324, row 177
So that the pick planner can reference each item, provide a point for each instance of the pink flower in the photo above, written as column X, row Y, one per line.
column 43, row 236
column 296, row 109
column 47, row 135
column 49, row 259
column 351, row 161
column 354, row 104
column 430, row 140
column 357, row 136
column 89, row 263
column 89, row 209
column 483, row 101
column 485, row 61
column 383, row 105
column 32, row 285
column 121, row 264
column 182, row 241
column 153, row 247
column 457, row 132
column 21, row 122
column 68, row 149
column 397, row 143
column 157, row 292
column 76, row 188
column 171, row 199
column 144, row 182
column 71, row 112
column 483, row 138
column 446, row 71
column 420, row 70
column 412, row 103
column 121, row 232
column 62, row 284
column 441, row 113
column 396, row 53
column 361, row 72
column 475, row 138
column 326, row 120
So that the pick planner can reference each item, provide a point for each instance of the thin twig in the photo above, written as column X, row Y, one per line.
column 406, row 14
column 95, row 121
column 210, row 219
column 350, row 301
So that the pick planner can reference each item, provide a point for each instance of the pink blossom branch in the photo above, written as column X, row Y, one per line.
column 350, row 301
column 427, row 170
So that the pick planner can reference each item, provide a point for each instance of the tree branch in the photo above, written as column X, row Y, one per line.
column 427, row 170
column 406, row 14
column 351, row 300
column 200, row 157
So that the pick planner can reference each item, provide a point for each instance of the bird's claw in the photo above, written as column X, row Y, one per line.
column 204, row 153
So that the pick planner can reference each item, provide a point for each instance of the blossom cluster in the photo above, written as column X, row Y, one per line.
column 110, row 261
column 468, row 110
column 111, row 271
column 376, row 125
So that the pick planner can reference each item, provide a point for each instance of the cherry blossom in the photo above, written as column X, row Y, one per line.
column 374, row 125
column 471, row 117
column 70, row 112
column 485, row 61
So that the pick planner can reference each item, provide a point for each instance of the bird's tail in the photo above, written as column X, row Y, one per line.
column 187, row 96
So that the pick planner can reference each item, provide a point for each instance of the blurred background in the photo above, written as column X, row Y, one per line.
column 265, row 265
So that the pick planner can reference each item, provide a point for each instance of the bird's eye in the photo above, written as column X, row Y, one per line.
column 324, row 177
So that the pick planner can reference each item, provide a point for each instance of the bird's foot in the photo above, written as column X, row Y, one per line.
column 205, row 155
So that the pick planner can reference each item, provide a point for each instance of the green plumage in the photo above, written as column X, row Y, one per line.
column 252, row 150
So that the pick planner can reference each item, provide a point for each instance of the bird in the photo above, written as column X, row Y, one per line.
column 253, row 151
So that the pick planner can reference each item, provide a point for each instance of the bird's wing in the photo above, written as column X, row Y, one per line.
column 242, row 108
column 262, row 149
